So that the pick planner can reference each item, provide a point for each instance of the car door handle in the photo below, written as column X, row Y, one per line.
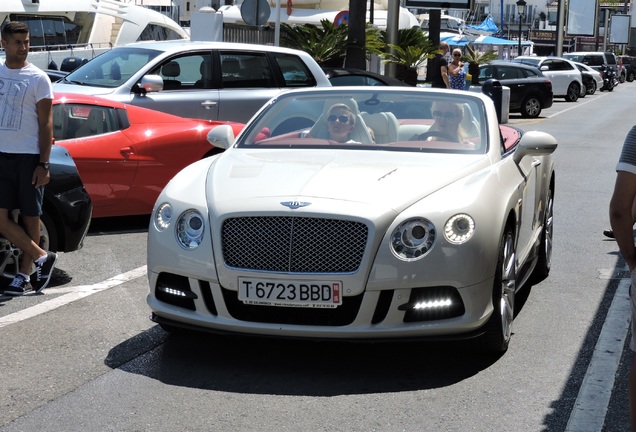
column 126, row 152
column 208, row 104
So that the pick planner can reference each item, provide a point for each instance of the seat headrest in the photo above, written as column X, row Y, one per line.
column 171, row 69
column 231, row 66
column 379, row 122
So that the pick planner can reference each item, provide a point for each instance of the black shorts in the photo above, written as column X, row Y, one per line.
column 16, row 189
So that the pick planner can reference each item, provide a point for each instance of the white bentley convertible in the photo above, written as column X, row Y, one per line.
column 357, row 213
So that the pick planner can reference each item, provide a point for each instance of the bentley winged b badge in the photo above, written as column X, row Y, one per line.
column 295, row 204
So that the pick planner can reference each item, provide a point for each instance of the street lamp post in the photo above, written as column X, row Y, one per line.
column 521, row 11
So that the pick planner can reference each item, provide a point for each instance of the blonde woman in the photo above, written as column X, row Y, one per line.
column 456, row 72
column 447, row 127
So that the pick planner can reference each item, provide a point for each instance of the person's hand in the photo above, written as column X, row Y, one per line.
column 40, row 177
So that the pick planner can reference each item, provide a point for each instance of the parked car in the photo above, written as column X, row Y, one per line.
column 628, row 67
column 127, row 154
column 358, row 77
column 206, row 80
column 417, row 234
column 66, row 214
column 530, row 90
column 592, row 79
column 567, row 81
column 594, row 59
column 55, row 75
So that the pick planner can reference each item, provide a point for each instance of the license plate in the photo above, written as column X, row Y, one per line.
column 294, row 293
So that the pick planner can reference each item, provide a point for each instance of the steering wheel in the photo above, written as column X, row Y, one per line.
column 444, row 136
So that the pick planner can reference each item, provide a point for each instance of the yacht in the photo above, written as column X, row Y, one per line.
column 65, row 34
column 314, row 11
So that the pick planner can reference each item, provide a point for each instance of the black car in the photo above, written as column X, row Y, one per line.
column 530, row 90
column 55, row 75
column 66, row 214
column 629, row 67
column 359, row 77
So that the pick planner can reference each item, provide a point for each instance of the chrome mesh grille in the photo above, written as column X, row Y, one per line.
column 293, row 244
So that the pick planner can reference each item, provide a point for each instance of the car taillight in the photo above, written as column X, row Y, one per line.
column 548, row 83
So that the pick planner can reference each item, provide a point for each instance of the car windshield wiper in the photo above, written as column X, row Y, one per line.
column 67, row 81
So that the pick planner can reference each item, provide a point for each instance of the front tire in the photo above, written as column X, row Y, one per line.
column 531, row 107
column 591, row 89
column 499, row 325
column 573, row 92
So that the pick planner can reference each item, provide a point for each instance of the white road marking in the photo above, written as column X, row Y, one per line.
column 577, row 105
column 594, row 395
column 73, row 294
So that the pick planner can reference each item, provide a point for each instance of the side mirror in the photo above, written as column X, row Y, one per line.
column 534, row 143
column 221, row 136
column 151, row 83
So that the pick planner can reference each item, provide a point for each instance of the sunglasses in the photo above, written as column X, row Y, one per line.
column 448, row 115
column 457, row 55
column 342, row 119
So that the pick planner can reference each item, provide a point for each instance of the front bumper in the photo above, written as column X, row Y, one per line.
column 372, row 315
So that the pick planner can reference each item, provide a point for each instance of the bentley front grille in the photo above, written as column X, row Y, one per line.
column 293, row 244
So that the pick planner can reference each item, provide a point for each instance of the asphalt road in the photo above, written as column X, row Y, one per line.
column 84, row 356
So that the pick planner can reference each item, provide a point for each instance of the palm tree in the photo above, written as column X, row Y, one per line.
column 413, row 49
column 475, row 58
column 326, row 44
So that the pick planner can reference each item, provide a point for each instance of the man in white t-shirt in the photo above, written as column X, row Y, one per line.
column 26, row 136
column 622, row 222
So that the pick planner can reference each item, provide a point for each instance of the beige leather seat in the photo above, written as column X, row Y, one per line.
column 384, row 125
column 93, row 125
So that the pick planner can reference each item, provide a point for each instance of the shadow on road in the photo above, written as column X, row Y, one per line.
column 292, row 367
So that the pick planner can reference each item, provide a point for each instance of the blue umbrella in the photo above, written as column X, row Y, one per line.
column 454, row 39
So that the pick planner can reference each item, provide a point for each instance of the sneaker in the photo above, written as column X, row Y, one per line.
column 608, row 233
column 18, row 286
column 43, row 270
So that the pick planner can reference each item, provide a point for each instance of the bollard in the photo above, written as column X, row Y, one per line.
column 493, row 89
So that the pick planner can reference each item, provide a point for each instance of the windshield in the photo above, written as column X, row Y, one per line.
column 574, row 57
column 530, row 61
column 410, row 120
column 112, row 68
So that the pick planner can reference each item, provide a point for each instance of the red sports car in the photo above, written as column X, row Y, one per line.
column 126, row 154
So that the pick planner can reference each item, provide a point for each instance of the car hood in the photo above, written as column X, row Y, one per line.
column 61, row 87
column 255, row 179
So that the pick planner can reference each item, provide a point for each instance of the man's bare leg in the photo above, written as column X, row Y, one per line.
column 27, row 240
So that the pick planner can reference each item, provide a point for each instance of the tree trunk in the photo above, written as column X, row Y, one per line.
column 356, row 55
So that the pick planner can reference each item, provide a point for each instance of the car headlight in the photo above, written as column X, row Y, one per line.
column 190, row 228
column 163, row 216
column 459, row 228
column 412, row 239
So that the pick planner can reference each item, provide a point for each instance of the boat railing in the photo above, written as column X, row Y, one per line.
column 72, row 47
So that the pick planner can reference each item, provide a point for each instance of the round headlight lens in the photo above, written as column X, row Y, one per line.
column 190, row 229
column 163, row 216
column 413, row 238
column 459, row 228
